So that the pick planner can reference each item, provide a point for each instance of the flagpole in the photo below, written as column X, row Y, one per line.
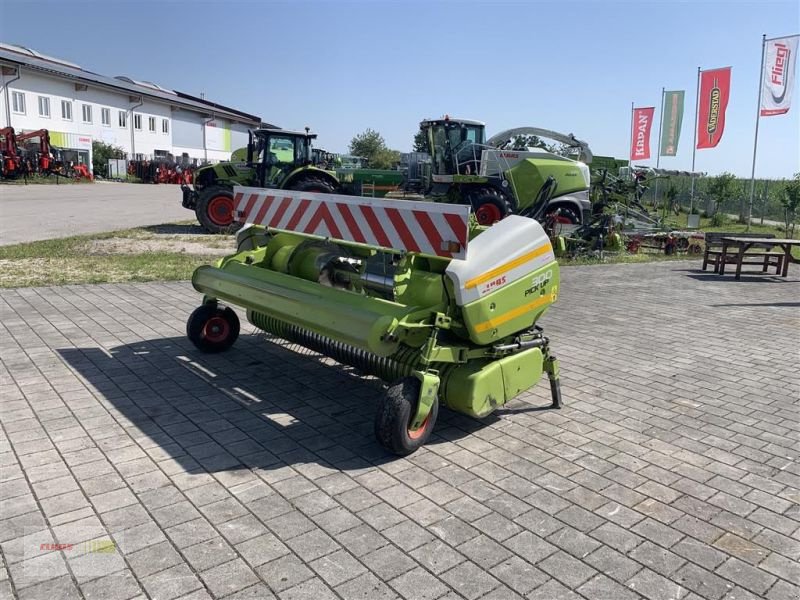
column 755, row 137
column 658, row 153
column 694, row 143
column 630, row 145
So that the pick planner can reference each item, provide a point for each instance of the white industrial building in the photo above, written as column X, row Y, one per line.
column 77, row 106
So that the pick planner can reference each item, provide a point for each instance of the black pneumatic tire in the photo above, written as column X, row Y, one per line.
column 212, row 328
column 489, row 205
column 313, row 183
column 214, row 210
column 565, row 214
column 397, row 406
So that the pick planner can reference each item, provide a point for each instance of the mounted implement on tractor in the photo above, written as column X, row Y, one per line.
column 496, row 181
column 411, row 292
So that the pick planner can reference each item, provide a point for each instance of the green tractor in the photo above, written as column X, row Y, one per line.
column 275, row 158
column 282, row 159
column 497, row 181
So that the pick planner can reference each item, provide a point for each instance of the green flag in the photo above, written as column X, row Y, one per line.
column 671, row 123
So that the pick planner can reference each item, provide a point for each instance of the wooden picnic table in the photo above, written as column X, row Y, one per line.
column 743, row 244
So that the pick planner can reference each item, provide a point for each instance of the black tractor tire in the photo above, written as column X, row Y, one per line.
column 214, row 210
column 398, row 404
column 567, row 215
column 313, row 183
column 212, row 328
column 489, row 205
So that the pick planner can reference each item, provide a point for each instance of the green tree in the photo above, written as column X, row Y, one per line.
column 790, row 201
column 367, row 144
column 720, row 189
column 101, row 153
column 372, row 146
column 420, row 142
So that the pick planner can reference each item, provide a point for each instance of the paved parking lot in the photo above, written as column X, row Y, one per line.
column 134, row 467
column 42, row 212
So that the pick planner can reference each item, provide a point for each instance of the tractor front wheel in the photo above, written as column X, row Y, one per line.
column 215, row 209
column 212, row 329
column 489, row 205
column 398, row 405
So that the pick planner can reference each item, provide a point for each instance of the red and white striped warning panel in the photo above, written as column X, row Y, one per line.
column 424, row 227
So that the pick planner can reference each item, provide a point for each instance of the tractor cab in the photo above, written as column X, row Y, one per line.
column 455, row 146
column 276, row 153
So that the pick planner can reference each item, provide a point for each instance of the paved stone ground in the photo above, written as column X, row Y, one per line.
column 671, row 473
column 42, row 212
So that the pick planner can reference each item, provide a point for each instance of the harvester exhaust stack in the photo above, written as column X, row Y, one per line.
column 411, row 292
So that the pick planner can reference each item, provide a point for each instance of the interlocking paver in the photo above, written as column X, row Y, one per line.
column 228, row 577
column 437, row 556
column 171, row 583
column 669, row 473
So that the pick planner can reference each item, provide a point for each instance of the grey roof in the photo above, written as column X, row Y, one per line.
column 30, row 59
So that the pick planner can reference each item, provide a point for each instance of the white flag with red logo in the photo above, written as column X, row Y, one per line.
column 780, row 58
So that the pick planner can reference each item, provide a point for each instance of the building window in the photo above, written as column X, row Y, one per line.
column 44, row 106
column 18, row 102
column 66, row 110
column 151, row 124
column 105, row 116
column 137, row 122
column 87, row 113
column 123, row 119
column 164, row 126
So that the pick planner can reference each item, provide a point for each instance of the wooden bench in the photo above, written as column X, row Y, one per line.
column 760, row 253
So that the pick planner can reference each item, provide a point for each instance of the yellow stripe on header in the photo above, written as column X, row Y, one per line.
column 521, row 260
column 513, row 314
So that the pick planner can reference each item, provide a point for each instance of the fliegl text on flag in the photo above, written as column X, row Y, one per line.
column 715, row 88
column 780, row 59
column 640, row 141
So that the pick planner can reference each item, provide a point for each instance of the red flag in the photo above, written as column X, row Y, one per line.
column 640, row 141
column 715, row 88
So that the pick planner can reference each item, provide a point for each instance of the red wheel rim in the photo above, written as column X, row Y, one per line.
column 488, row 213
column 563, row 220
column 415, row 434
column 216, row 329
column 220, row 210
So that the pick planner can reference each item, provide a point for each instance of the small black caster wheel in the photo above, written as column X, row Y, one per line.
column 397, row 407
column 212, row 328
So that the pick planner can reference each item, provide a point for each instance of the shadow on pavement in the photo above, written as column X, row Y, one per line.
column 263, row 404
column 773, row 304
column 176, row 229
column 728, row 277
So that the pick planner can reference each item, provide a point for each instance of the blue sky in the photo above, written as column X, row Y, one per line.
column 340, row 67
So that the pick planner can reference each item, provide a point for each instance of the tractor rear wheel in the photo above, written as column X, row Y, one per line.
column 393, row 419
column 212, row 329
column 489, row 205
column 215, row 209
column 313, row 183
